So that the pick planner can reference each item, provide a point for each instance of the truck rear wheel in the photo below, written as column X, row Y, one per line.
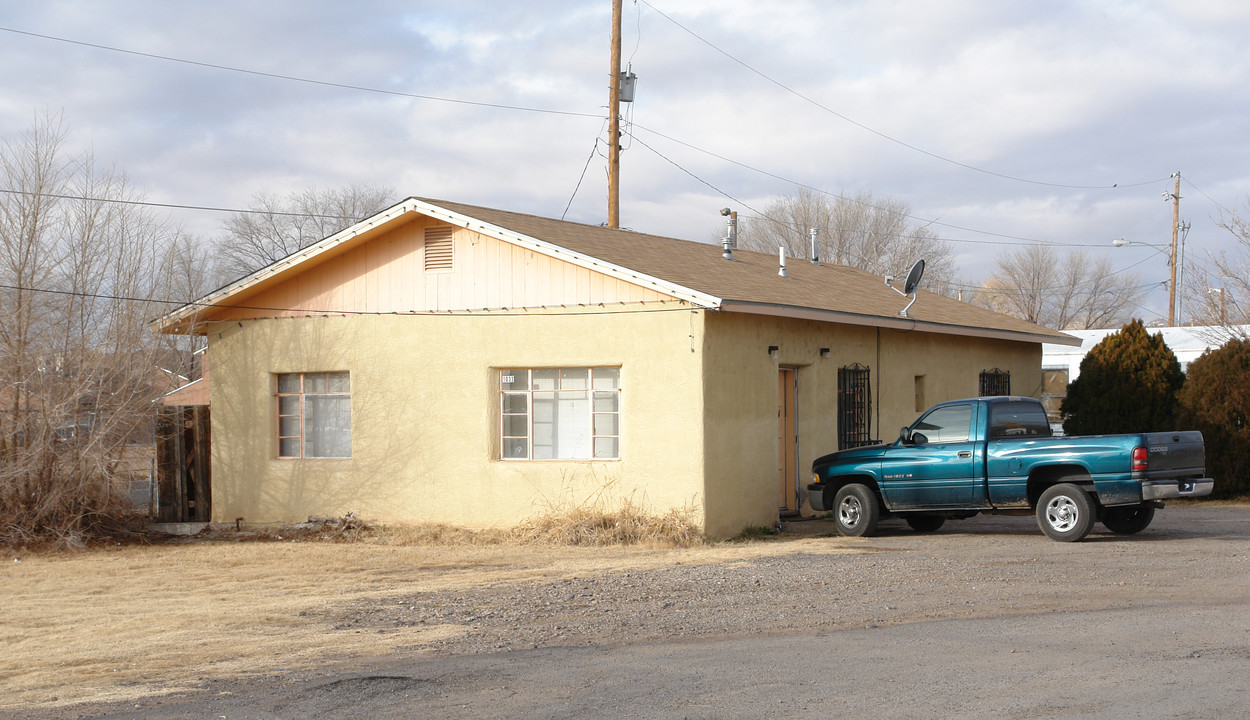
column 856, row 510
column 1065, row 512
column 1128, row 520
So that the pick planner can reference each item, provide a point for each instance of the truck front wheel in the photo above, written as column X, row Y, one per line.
column 1128, row 520
column 1065, row 512
column 856, row 510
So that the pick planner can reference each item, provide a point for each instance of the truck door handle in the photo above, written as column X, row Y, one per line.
column 965, row 453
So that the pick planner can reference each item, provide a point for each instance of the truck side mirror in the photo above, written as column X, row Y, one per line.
column 904, row 436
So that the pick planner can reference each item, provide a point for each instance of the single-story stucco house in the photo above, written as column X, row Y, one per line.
column 440, row 362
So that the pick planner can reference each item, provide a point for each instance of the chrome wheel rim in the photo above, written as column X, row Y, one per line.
column 850, row 511
column 1062, row 513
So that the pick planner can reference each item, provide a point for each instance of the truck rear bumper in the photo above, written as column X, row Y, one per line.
column 1174, row 489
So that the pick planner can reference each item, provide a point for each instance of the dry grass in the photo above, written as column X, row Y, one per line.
column 124, row 622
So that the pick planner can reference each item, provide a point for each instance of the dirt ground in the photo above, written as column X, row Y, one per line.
column 128, row 622
column 115, row 628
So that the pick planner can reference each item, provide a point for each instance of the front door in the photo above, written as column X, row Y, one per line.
column 787, row 440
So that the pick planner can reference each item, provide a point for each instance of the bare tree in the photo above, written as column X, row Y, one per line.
column 80, row 276
column 1219, row 293
column 863, row 232
column 1072, row 292
column 275, row 226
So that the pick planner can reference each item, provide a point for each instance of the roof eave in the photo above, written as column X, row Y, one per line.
column 896, row 323
column 178, row 320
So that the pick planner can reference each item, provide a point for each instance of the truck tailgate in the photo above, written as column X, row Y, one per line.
column 1174, row 454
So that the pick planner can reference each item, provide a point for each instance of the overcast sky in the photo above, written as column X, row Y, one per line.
column 1008, row 122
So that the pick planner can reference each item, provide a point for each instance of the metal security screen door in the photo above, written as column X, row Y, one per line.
column 787, row 442
column 854, row 407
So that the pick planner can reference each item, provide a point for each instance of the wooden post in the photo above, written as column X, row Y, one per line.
column 614, row 121
column 1176, row 221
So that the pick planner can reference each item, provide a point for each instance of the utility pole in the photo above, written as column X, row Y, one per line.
column 614, row 121
column 1176, row 223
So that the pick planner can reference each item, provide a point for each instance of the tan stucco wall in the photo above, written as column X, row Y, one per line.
column 699, row 409
column 741, row 396
column 425, row 415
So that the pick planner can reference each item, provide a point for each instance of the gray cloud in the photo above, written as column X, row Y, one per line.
column 1065, row 94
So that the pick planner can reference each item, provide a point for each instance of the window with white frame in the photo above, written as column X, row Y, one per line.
column 560, row 413
column 314, row 415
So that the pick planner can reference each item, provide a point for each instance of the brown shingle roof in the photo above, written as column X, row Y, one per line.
column 750, row 281
column 691, row 270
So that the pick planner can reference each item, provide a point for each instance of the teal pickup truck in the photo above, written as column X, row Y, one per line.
column 997, row 455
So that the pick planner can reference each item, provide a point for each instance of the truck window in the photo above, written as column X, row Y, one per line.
column 1017, row 420
column 951, row 423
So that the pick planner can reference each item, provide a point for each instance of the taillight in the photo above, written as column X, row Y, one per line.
column 1139, row 459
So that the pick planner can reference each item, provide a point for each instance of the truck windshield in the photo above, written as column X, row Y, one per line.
column 1017, row 420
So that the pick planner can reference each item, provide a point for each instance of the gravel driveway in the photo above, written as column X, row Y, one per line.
column 912, row 591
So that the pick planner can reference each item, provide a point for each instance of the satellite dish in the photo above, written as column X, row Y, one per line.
column 909, row 286
column 913, row 277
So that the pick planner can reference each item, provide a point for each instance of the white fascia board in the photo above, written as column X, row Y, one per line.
column 295, row 258
column 464, row 221
column 894, row 323
column 565, row 255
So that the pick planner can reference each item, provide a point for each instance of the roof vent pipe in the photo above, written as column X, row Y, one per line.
column 781, row 258
column 815, row 256
column 730, row 241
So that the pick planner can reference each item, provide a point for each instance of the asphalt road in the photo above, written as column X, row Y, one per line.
column 985, row 619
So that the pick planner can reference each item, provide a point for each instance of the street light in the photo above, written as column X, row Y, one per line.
column 1121, row 242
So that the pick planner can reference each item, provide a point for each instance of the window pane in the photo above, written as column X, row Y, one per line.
column 544, row 412
column 315, row 382
column 288, row 405
column 546, row 379
column 338, row 382
column 606, row 424
column 327, row 426
column 515, row 402
column 607, row 402
column 948, row 424
column 544, row 407
column 575, row 379
column 1018, row 420
column 607, row 448
column 515, row 426
column 514, row 379
column 607, row 378
column 572, row 426
column 288, row 383
column 288, row 447
column 288, row 426
column 514, row 448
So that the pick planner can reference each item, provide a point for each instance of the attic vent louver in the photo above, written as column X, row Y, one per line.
column 438, row 248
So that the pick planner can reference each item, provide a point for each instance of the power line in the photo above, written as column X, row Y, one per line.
column 1215, row 202
column 878, row 133
column 293, row 78
column 691, row 174
column 174, row 206
column 840, row 196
